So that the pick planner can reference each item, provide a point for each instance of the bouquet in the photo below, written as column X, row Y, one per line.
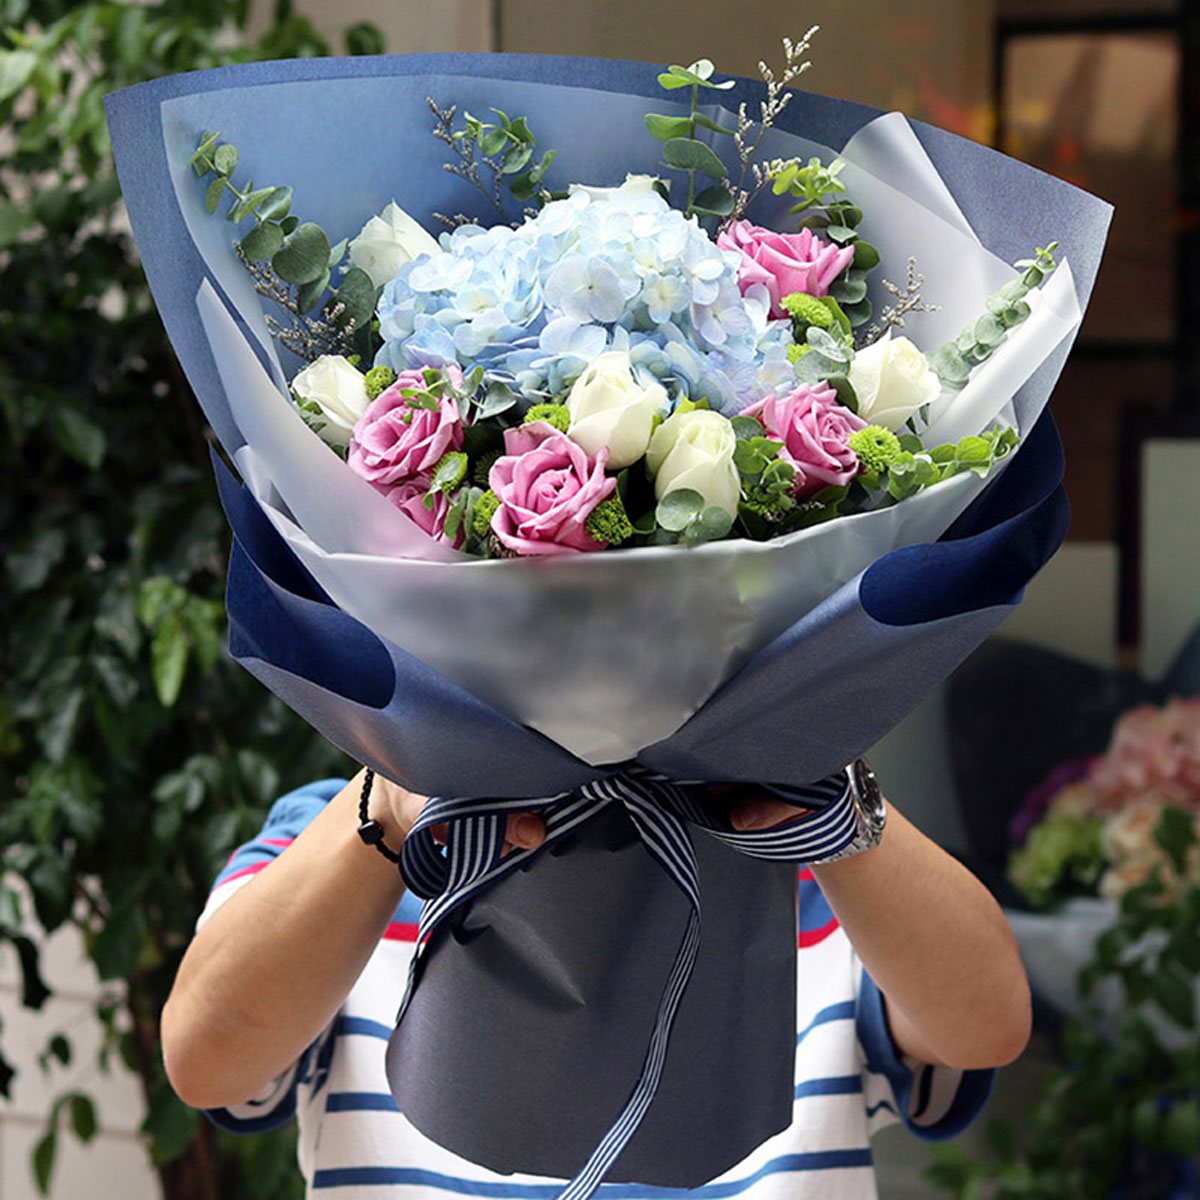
column 611, row 486
column 1109, row 847
column 1089, row 829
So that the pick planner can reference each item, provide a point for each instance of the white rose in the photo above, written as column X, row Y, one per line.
column 892, row 380
column 609, row 407
column 387, row 242
column 634, row 185
column 337, row 387
column 695, row 450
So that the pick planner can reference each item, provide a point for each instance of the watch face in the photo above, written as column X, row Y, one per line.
column 866, row 788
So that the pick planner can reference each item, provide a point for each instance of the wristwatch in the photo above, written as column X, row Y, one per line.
column 870, row 812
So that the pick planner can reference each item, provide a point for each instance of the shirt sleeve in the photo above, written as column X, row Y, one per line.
column 288, row 817
column 934, row 1102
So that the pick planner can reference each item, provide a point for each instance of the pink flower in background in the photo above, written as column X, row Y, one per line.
column 1153, row 750
column 547, row 486
column 409, row 497
column 784, row 262
column 395, row 441
column 815, row 431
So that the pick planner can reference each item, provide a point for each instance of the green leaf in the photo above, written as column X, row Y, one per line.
column 16, row 66
column 83, row 1116
column 746, row 427
column 34, row 992
column 865, row 256
column 988, row 331
column 363, row 38
column 169, row 654
column 668, row 128
column 708, row 123
column 169, row 1124
column 1176, row 834
column 841, row 234
column 79, row 437
column 117, row 948
column 1181, row 1130
column 29, row 566
column 356, row 293
column 304, row 256
column 213, row 194
column 715, row 523
column 43, row 1160
column 13, row 222
column 687, row 155
column 277, row 204
column 714, row 201
column 678, row 509
column 308, row 295
column 1175, row 993
column 498, row 398
column 849, row 291
column 59, row 1049
column 262, row 241
column 225, row 159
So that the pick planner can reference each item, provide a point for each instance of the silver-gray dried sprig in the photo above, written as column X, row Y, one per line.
column 745, row 138
column 908, row 300
column 307, row 335
column 467, row 168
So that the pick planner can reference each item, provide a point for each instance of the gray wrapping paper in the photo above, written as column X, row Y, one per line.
column 533, row 1022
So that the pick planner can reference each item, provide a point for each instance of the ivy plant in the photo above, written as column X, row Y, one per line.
column 133, row 753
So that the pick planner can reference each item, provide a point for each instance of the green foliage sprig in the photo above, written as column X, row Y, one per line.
column 683, row 151
column 1006, row 309
column 505, row 149
column 299, row 252
column 1123, row 1108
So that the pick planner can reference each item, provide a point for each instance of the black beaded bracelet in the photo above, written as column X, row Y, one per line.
column 371, row 831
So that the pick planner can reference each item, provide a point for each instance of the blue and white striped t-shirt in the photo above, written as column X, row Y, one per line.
column 355, row 1145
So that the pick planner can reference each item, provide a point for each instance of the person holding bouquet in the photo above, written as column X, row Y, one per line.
column 911, row 991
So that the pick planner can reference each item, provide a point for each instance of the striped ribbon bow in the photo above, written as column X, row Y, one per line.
column 661, row 811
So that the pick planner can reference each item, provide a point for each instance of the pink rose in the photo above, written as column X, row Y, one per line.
column 394, row 441
column 409, row 498
column 547, row 487
column 815, row 431
column 784, row 262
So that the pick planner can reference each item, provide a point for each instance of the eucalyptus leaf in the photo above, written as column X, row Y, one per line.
column 262, row 241
column 716, row 201
column 213, row 194
column 667, row 128
column 678, row 509
column 225, row 159
column 304, row 256
column 277, row 204
column 356, row 293
column 308, row 295
column 688, row 155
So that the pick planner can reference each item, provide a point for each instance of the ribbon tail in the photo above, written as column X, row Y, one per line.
column 630, row 1117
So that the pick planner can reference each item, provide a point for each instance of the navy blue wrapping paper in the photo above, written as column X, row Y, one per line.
column 817, row 695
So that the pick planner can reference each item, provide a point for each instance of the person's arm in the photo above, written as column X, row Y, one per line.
column 932, row 938
column 271, row 967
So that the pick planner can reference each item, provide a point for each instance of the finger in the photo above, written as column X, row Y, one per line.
column 763, row 813
column 526, row 830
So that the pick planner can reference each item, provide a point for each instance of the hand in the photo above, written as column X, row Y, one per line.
column 750, row 808
column 401, row 809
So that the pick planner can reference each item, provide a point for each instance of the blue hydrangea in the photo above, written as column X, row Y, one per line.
column 585, row 275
